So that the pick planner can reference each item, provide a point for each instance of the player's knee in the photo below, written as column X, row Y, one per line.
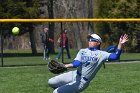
column 55, row 91
column 51, row 83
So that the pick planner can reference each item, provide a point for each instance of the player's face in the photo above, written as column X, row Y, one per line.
column 93, row 43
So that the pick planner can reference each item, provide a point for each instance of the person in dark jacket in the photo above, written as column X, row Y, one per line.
column 63, row 43
column 46, row 43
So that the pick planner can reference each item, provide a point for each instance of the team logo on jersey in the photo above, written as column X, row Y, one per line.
column 89, row 58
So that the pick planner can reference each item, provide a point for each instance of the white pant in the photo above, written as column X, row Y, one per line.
column 68, row 82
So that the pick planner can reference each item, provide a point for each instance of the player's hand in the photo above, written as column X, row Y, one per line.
column 123, row 39
column 51, row 40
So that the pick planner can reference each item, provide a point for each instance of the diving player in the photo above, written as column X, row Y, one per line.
column 88, row 61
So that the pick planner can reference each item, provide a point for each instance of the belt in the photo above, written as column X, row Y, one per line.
column 78, row 73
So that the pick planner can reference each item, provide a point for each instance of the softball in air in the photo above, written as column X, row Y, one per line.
column 15, row 30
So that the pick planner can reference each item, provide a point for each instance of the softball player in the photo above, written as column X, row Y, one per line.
column 88, row 61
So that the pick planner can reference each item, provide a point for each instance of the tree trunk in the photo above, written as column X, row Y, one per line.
column 51, row 24
column 77, row 35
column 90, row 15
column 32, row 40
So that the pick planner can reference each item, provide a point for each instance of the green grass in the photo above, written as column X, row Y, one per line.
column 116, row 78
column 24, row 57
column 130, row 56
column 24, row 80
column 21, row 57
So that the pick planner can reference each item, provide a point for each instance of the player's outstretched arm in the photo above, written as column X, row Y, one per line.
column 73, row 64
column 122, row 41
column 68, row 65
column 116, row 55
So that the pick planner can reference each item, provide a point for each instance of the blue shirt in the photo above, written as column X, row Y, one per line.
column 112, row 56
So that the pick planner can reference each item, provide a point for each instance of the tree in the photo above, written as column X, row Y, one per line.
column 51, row 25
column 113, row 30
column 75, row 9
column 20, row 9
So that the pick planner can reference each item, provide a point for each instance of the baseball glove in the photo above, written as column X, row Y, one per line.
column 56, row 67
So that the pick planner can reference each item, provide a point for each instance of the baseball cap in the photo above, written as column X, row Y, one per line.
column 95, row 37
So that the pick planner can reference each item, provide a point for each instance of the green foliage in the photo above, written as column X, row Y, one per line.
column 18, row 9
column 124, row 9
column 111, row 31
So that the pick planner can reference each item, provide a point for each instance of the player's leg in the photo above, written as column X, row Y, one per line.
column 44, row 51
column 68, row 52
column 76, row 86
column 60, row 52
column 48, row 51
column 62, row 79
column 68, row 88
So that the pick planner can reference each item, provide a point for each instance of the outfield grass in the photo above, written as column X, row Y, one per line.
column 22, row 57
column 115, row 78
column 130, row 56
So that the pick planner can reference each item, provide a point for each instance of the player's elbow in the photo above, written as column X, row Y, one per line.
column 113, row 57
column 76, row 63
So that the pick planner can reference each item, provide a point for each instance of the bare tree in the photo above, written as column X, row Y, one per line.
column 46, row 11
column 51, row 25
column 75, row 9
column 32, row 40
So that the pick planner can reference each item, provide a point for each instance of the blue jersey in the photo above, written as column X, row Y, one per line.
column 90, row 62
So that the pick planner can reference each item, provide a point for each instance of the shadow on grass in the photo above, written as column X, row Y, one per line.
column 40, row 54
column 127, row 60
column 6, row 55
column 23, row 54
column 22, row 65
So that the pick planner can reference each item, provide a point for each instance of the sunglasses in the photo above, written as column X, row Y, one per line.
column 92, row 40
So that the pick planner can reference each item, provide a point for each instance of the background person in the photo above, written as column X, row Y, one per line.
column 63, row 43
column 88, row 62
column 46, row 43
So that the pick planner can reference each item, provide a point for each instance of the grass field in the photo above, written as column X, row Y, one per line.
column 22, row 57
column 115, row 78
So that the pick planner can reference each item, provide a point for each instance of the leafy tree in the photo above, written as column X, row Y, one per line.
column 10, row 9
column 113, row 30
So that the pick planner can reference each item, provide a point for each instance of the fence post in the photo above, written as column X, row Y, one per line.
column 1, row 32
column 62, row 42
